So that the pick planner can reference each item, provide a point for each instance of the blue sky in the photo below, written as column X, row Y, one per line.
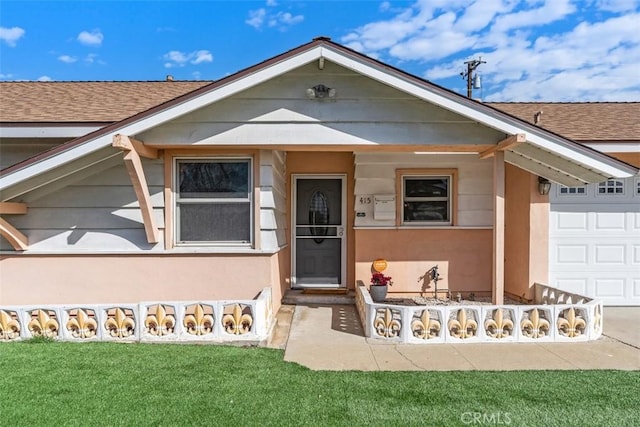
column 536, row 50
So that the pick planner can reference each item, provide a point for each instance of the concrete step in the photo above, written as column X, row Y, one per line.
column 280, row 333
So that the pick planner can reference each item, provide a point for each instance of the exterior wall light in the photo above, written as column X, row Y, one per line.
column 543, row 186
column 321, row 91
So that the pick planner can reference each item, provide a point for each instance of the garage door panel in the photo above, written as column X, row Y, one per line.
column 606, row 221
column 609, row 254
column 609, row 288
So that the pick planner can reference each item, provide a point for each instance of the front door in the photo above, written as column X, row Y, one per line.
column 318, row 231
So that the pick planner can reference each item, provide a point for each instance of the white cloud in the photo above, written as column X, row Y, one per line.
column 11, row 35
column 6, row 76
column 535, row 49
column 176, row 58
column 93, row 38
column 256, row 18
column 67, row 59
column 272, row 3
column 45, row 79
column 201, row 56
column 280, row 20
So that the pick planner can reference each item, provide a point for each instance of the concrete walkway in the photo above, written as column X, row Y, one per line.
column 331, row 338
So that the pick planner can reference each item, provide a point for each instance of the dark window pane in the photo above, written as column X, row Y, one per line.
column 426, row 187
column 214, row 179
column 220, row 222
column 426, row 211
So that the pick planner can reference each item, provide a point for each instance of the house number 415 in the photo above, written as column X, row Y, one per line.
column 365, row 200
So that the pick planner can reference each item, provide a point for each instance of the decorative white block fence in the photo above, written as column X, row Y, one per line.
column 216, row 321
column 556, row 316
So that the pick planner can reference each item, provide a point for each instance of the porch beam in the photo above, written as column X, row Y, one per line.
column 497, row 290
column 124, row 142
column 505, row 144
column 12, row 208
column 133, row 163
column 19, row 241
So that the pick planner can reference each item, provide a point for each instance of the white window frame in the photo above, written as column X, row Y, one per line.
column 572, row 191
column 606, row 185
column 636, row 187
column 178, row 201
column 450, row 197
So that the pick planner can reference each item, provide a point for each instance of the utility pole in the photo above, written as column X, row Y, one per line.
column 468, row 75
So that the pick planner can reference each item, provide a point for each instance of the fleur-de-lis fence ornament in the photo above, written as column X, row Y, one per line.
column 597, row 319
column 386, row 326
column 499, row 326
column 199, row 323
column 120, row 325
column 237, row 323
column 534, row 326
column 160, row 323
column 424, row 327
column 9, row 326
column 43, row 324
column 570, row 325
column 82, row 325
column 462, row 327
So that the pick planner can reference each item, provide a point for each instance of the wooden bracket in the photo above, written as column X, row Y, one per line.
column 133, row 163
column 124, row 142
column 505, row 144
column 18, row 240
column 12, row 208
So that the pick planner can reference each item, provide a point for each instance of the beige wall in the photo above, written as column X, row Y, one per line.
column 526, row 233
column 131, row 278
column 463, row 257
column 323, row 163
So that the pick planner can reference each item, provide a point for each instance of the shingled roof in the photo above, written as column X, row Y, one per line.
column 107, row 102
column 85, row 102
column 581, row 121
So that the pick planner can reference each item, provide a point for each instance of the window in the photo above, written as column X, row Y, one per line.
column 637, row 181
column 427, row 199
column 214, row 201
column 612, row 187
column 573, row 191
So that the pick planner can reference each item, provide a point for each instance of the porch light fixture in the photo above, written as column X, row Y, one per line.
column 321, row 91
column 543, row 186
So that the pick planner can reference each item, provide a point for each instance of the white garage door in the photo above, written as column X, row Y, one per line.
column 595, row 240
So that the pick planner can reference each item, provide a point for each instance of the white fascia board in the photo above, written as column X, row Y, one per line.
column 46, row 131
column 149, row 122
column 614, row 147
column 555, row 145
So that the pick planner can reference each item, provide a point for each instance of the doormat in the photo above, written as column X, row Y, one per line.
column 325, row 291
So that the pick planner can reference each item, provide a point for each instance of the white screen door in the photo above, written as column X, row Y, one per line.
column 318, row 231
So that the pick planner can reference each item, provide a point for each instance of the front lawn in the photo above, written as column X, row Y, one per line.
column 103, row 384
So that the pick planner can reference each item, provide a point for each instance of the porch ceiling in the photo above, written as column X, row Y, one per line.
column 552, row 166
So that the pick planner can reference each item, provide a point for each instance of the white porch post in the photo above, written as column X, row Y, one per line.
column 497, row 291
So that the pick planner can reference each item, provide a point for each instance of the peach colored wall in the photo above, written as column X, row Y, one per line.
column 131, row 279
column 324, row 163
column 631, row 158
column 463, row 257
column 526, row 233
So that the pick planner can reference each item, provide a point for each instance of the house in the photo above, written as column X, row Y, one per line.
column 298, row 172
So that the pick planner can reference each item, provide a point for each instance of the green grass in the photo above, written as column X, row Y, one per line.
column 102, row 384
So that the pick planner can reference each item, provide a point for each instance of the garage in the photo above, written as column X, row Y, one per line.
column 595, row 240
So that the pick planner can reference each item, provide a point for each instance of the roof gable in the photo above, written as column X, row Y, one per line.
column 323, row 49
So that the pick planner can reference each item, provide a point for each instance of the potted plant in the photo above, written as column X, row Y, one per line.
column 379, row 286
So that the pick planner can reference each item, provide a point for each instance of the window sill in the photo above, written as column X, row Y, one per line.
column 424, row 227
